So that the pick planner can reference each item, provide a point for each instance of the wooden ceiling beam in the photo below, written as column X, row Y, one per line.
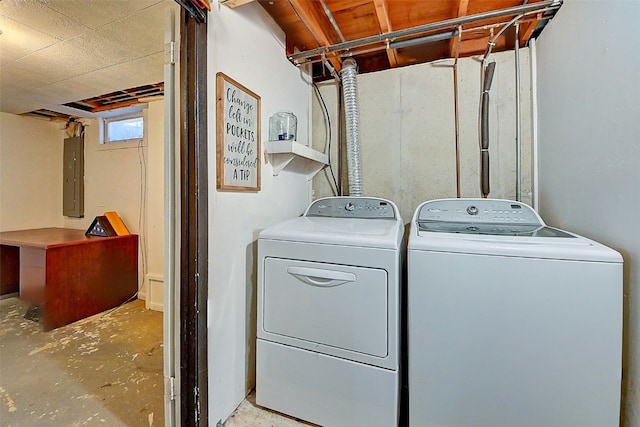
column 90, row 103
column 385, row 27
column 527, row 29
column 62, row 118
column 314, row 18
column 123, row 104
column 460, row 9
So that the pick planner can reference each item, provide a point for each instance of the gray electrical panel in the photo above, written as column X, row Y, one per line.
column 73, row 177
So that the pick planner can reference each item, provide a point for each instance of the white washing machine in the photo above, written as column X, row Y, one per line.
column 328, row 313
column 510, row 322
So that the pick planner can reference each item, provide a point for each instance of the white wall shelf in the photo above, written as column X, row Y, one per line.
column 295, row 157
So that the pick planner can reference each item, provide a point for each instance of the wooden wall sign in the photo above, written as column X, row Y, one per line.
column 237, row 136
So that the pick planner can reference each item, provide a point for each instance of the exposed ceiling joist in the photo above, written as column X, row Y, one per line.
column 527, row 29
column 375, row 41
column 314, row 18
column 460, row 10
column 382, row 34
column 113, row 106
column 119, row 99
column 385, row 27
column 47, row 115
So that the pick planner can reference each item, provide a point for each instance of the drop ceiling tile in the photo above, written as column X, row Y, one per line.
column 38, row 16
column 127, row 39
column 142, row 71
column 18, row 40
column 70, row 90
column 41, row 71
column 62, row 61
column 95, row 14
column 112, row 51
column 148, row 27
column 18, row 75
column 17, row 101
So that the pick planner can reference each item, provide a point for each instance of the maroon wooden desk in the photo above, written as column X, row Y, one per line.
column 70, row 275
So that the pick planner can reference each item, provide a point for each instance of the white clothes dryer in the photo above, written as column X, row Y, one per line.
column 510, row 322
column 328, row 313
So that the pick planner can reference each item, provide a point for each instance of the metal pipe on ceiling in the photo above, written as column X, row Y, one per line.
column 500, row 24
column 425, row 39
column 492, row 40
column 362, row 51
column 303, row 57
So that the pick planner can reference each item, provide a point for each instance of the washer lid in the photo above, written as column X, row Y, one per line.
column 348, row 221
column 494, row 217
column 358, row 232
column 500, row 228
column 492, row 229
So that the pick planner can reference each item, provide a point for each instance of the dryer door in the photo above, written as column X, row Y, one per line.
column 335, row 305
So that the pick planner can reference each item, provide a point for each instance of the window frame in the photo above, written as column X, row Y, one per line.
column 105, row 144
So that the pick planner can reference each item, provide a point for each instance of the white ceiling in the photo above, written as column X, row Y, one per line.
column 57, row 51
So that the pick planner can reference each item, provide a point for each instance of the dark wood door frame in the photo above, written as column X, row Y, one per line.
column 194, row 220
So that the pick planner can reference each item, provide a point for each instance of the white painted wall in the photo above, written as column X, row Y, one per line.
column 154, row 229
column 245, row 44
column 30, row 173
column 407, row 131
column 589, row 128
column 112, row 180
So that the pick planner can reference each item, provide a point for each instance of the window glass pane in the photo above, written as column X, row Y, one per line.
column 120, row 130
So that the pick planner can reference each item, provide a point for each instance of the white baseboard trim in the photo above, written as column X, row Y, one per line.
column 154, row 292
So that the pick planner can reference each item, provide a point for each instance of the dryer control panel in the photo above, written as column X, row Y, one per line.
column 352, row 207
column 483, row 211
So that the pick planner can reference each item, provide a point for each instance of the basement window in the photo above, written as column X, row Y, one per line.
column 123, row 130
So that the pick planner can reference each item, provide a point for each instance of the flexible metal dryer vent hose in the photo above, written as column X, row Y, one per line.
column 348, row 75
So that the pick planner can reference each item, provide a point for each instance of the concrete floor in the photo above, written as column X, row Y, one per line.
column 103, row 370
column 249, row 414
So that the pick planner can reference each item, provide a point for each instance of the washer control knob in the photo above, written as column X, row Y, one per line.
column 472, row 210
column 349, row 206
